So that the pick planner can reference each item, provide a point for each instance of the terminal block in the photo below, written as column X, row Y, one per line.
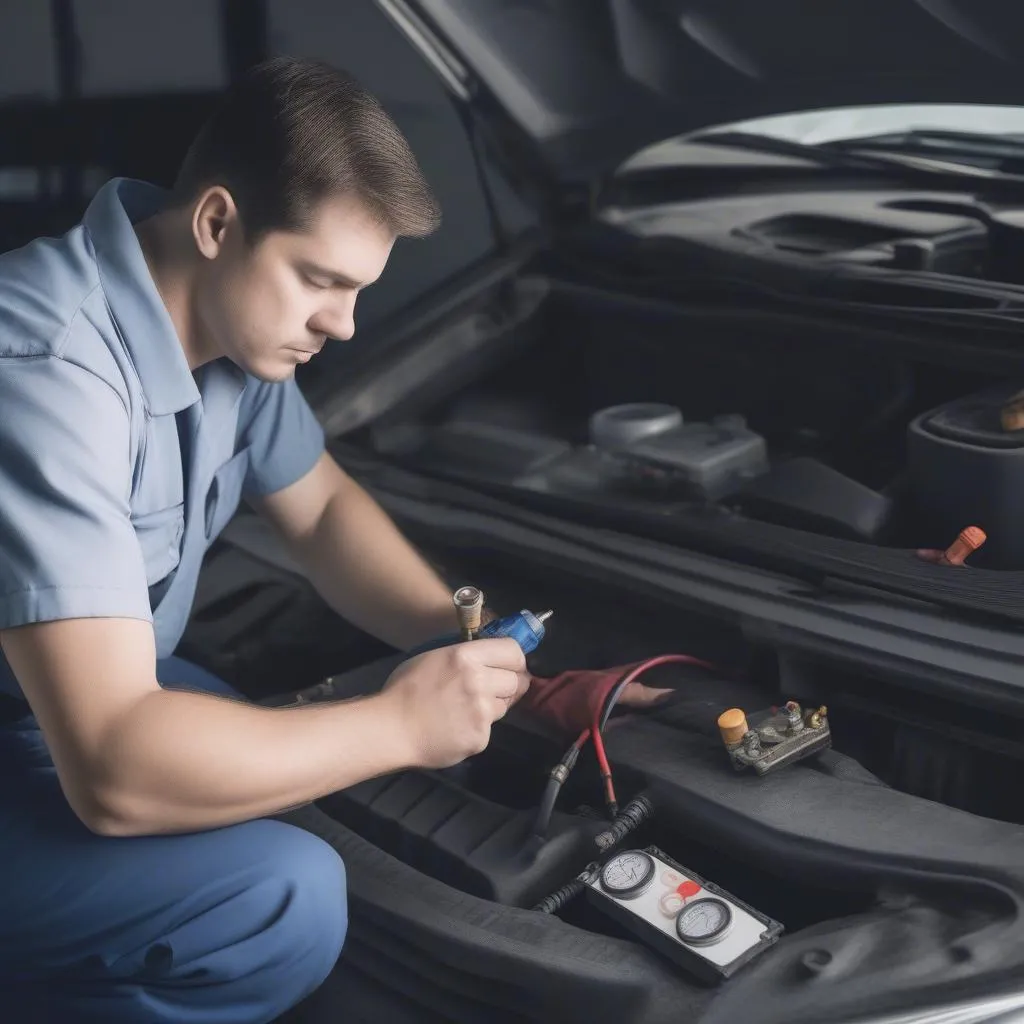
column 776, row 738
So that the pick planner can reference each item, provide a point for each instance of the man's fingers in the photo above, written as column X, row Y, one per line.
column 639, row 695
column 512, row 691
column 497, row 652
column 523, row 684
column 509, row 686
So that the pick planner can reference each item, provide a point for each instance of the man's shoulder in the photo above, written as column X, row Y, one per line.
column 52, row 305
column 44, row 286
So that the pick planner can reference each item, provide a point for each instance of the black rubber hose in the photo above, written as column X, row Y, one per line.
column 634, row 814
column 546, row 808
column 637, row 811
column 559, row 774
column 569, row 891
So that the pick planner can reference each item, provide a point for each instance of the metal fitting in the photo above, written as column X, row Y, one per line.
column 469, row 607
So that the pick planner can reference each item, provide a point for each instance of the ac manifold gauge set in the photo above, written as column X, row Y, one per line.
column 707, row 931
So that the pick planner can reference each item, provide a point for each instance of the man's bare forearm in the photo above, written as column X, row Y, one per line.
column 180, row 761
column 371, row 575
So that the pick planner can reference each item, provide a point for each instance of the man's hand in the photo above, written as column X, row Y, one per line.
column 640, row 695
column 446, row 700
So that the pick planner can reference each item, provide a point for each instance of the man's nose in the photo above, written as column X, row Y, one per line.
column 338, row 322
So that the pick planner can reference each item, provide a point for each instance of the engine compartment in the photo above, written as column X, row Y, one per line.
column 471, row 827
column 654, row 422
column 878, row 890
column 879, row 883
column 864, row 853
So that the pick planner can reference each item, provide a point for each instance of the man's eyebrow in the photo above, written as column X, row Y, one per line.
column 334, row 275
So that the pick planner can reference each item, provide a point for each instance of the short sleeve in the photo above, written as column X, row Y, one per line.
column 283, row 436
column 67, row 545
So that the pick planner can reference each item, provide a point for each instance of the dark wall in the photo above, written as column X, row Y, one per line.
column 90, row 89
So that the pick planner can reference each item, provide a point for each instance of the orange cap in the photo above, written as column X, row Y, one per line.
column 733, row 725
column 966, row 544
column 1012, row 414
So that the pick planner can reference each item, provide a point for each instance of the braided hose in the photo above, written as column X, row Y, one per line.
column 631, row 817
column 569, row 891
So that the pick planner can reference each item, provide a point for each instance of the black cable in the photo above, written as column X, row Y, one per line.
column 569, row 891
column 634, row 814
column 613, row 698
column 560, row 897
column 556, row 779
column 546, row 807
column 560, row 772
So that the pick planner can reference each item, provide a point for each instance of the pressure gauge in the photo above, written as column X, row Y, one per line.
column 704, row 921
column 704, row 929
column 628, row 874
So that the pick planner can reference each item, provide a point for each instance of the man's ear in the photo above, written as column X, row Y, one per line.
column 213, row 217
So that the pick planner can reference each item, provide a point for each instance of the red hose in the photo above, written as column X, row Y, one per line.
column 595, row 729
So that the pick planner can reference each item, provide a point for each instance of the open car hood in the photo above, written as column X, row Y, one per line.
column 589, row 82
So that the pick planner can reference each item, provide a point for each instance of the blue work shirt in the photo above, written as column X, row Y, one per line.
column 118, row 465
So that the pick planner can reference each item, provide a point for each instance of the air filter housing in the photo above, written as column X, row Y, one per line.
column 966, row 469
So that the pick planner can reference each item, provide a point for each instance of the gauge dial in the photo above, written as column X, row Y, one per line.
column 628, row 874
column 704, row 921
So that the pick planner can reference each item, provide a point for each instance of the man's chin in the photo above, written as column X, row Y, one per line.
column 271, row 372
column 276, row 378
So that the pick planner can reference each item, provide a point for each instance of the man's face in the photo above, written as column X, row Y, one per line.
column 274, row 305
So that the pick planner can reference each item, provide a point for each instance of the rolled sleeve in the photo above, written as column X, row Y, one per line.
column 283, row 436
column 67, row 545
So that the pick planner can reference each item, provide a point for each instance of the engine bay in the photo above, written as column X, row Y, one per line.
column 661, row 425
column 477, row 828
column 878, row 860
column 863, row 875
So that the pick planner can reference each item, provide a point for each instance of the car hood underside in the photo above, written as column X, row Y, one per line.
column 590, row 82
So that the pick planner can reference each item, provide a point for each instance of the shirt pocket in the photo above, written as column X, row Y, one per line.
column 225, row 493
column 159, row 534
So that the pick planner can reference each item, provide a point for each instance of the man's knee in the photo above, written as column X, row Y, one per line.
column 310, row 931
column 287, row 920
column 259, row 930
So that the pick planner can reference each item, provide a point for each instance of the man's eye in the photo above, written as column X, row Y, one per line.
column 319, row 283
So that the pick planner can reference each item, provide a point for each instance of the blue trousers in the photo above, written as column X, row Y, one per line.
column 232, row 925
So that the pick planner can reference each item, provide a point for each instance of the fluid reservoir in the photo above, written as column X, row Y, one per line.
column 620, row 426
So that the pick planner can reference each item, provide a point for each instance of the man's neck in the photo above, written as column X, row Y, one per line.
column 174, row 280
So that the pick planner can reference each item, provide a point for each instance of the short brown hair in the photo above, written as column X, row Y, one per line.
column 291, row 133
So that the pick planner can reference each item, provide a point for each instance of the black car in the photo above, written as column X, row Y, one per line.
column 703, row 390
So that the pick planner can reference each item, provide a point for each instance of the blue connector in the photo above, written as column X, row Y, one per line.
column 525, row 628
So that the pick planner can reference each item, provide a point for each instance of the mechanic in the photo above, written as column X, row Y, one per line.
column 147, row 364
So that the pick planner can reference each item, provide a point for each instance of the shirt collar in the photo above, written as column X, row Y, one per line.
column 131, row 294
